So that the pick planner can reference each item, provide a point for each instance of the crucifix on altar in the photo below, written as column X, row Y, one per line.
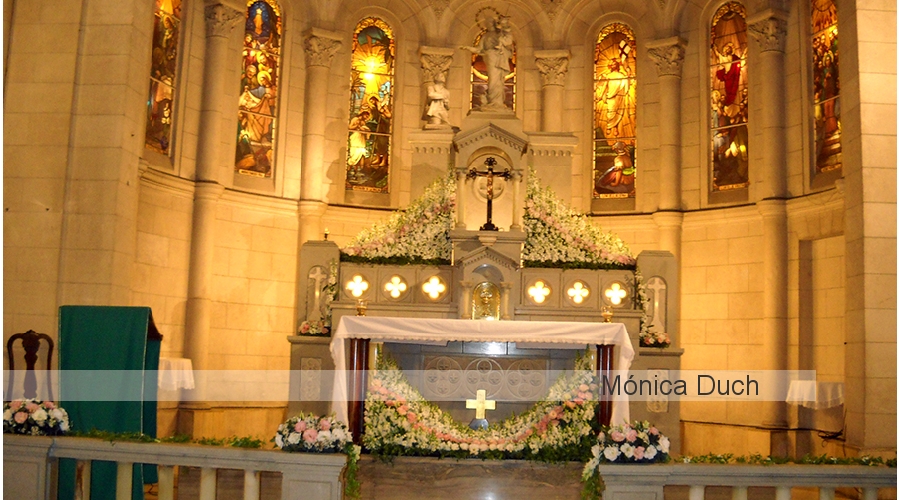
column 479, row 404
column 489, row 174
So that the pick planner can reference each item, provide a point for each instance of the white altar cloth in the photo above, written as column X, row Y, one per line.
column 430, row 330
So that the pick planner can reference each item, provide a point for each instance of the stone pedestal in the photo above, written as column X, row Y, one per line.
column 311, row 375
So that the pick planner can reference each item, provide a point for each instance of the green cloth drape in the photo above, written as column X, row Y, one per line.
column 109, row 338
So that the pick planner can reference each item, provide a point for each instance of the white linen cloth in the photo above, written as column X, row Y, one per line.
column 816, row 395
column 427, row 329
column 175, row 373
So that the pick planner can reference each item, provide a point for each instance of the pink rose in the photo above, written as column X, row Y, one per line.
column 304, row 328
column 631, row 435
column 49, row 405
column 20, row 417
column 617, row 436
column 402, row 410
column 639, row 453
column 324, row 424
column 411, row 417
column 15, row 404
column 300, row 426
column 654, row 431
column 310, row 435
column 32, row 407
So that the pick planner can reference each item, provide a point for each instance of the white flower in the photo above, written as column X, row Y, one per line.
column 611, row 453
column 39, row 416
column 628, row 450
column 650, row 452
column 7, row 415
column 324, row 437
column 58, row 414
column 279, row 440
column 663, row 444
column 294, row 438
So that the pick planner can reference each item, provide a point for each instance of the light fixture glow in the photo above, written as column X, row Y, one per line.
column 434, row 287
column 395, row 287
column 615, row 293
column 539, row 292
column 357, row 286
column 578, row 292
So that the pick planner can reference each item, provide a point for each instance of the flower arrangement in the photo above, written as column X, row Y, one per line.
column 655, row 339
column 646, row 337
column 560, row 237
column 418, row 235
column 311, row 433
column 400, row 422
column 638, row 442
column 555, row 235
column 34, row 417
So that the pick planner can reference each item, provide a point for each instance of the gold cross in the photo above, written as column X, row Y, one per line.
column 479, row 404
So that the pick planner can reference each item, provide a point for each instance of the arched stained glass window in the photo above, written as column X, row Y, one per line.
column 371, row 107
column 728, row 98
column 614, row 112
column 164, row 56
column 497, row 27
column 258, row 103
column 826, row 85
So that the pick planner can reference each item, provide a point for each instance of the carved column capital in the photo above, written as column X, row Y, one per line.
column 668, row 54
column 769, row 29
column 320, row 46
column 220, row 20
column 553, row 65
column 435, row 61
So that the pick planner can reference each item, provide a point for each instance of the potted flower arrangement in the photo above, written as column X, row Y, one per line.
column 35, row 418
column 655, row 339
column 311, row 433
column 637, row 443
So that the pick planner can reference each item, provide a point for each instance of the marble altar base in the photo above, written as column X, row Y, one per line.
column 451, row 479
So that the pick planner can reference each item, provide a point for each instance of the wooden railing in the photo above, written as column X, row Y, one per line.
column 29, row 467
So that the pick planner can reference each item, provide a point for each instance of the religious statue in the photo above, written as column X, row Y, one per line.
column 438, row 104
column 495, row 46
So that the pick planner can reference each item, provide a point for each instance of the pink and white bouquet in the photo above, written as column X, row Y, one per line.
column 637, row 443
column 311, row 433
column 35, row 418
column 655, row 339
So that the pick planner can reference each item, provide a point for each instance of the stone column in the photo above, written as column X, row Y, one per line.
column 769, row 29
column 516, row 180
column 553, row 65
column 220, row 21
column 775, row 299
column 668, row 54
column 465, row 299
column 320, row 46
column 460, row 199
column 505, row 290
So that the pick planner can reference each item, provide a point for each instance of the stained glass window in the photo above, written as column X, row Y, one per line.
column 164, row 55
column 826, row 85
column 614, row 112
column 371, row 107
column 258, row 102
column 728, row 98
column 506, row 48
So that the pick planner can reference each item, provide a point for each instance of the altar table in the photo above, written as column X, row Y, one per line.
column 428, row 330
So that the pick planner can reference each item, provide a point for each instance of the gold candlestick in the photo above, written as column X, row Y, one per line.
column 607, row 314
column 361, row 306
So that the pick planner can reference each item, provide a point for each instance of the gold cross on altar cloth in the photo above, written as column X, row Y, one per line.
column 479, row 404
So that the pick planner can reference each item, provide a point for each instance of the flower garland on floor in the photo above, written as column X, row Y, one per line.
column 556, row 236
column 311, row 433
column 34, row 417
column 399, row 421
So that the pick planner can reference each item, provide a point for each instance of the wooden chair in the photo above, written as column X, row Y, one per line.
column 31, row 342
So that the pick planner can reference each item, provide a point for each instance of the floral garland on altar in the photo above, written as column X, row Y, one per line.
column 556, row 236
column 399, row 421
column 560, row 237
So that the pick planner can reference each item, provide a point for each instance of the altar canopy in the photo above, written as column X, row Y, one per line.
column 568, row 335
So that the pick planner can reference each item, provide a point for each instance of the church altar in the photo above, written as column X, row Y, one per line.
column 571, row 335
